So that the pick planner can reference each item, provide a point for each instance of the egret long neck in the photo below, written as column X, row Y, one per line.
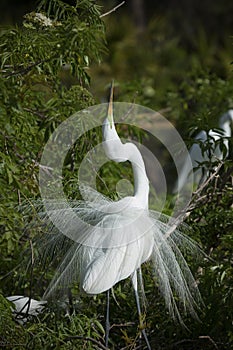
column 141, row 182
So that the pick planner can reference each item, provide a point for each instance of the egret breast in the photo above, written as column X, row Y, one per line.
column 103, row 268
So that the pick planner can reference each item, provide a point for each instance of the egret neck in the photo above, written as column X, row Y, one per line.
column 141, row 182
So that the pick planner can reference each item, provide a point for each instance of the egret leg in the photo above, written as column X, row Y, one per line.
column 142, row 330
column 107, row 323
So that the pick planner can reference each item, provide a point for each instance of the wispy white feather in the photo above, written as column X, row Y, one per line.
column 100, row 242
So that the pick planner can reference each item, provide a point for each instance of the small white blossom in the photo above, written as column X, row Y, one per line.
column 47, row 22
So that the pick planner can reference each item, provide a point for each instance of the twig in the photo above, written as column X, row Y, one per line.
column 114, row 9
column 196, row 199
column 90, row 160
column 123, row 118
column 31, row 281
column 209, row 179
column 184, row 341
column 28, row 68
column 32, row 252
column 132, row 346
column 44, row 167
column 94, row 341
column 127, row 324
column 2, row 344
column 226, row 176
column 19, row 197
column 210, row 339
column 39, row 114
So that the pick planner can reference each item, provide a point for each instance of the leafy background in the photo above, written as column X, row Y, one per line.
column 169, row 56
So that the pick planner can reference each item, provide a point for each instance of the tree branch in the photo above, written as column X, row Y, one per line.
column 194, row 203
column 39, row 114
column 28, row 68
column 114, row 9
column 210, row 339
column 94, row 341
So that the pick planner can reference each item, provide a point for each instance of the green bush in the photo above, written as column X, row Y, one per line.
column 46, row 66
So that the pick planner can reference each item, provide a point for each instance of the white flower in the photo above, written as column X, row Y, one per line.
column 42, row 19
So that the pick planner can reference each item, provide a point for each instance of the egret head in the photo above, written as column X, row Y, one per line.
column 230, row 113
column 226, row 117
column 113, row 147
column 110, row 106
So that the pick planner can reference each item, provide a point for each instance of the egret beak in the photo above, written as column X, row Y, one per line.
column 110, row 107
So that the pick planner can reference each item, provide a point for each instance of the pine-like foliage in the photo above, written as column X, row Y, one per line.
column 44, row 77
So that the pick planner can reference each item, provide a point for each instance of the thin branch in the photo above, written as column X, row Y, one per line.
column 225, row 177
column 28, row 68
column 27, row 305
column 209, row 179
column 194, row 203
column 114, row 9
column 94, row 341
column 39, row 114
column 127, row 324
column 32, row 252
column 184, row 341
column 44, row 167
column 2, row 344
column 210, row 339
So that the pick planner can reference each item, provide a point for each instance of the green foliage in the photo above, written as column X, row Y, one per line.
column 212, row 220
column 57, row 35
column 46, row 332
column 46, row 64
column 53, row 43
column 11, row 335
column 201, row 99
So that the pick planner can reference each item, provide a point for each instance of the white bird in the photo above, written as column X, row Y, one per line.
column 206, row 150
column 125, row 234
column 25, row 306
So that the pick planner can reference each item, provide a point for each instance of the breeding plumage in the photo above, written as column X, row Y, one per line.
column 108, row 240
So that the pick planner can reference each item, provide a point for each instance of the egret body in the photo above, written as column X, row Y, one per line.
column 131, row 234
column 25, row 306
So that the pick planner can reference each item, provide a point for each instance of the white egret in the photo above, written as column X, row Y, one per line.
column 25, row 306
column 131, row 234
column 211, row 151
